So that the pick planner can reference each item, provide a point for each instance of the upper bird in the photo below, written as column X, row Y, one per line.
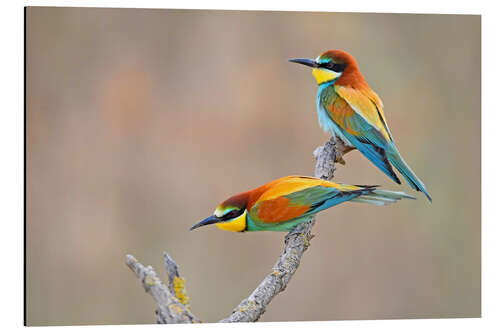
column 283, row 203
column 349, row 109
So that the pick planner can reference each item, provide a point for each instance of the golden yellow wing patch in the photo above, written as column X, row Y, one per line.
column 290, row 184
column 367, row 104
column 274, row 206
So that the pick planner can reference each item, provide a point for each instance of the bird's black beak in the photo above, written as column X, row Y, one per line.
column 209, row 220
column 307, row 62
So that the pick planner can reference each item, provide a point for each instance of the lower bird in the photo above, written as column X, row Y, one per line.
column 282, row 204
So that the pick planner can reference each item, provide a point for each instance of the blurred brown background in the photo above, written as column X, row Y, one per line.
column 139, row 122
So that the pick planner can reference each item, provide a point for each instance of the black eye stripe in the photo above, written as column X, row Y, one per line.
column 334, row 67
column 232, row 214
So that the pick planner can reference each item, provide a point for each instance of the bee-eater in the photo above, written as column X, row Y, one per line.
column 349, row 109
column 283, row 203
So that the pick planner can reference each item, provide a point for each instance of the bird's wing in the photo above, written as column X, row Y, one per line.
column 360, row 118
column 359, row 114
column 299, row 196
column 368, row 112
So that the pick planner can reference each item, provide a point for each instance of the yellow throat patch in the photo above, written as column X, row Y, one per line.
column 324, row 75
column 238, row 224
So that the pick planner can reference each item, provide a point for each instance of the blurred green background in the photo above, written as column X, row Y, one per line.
column 139, row 122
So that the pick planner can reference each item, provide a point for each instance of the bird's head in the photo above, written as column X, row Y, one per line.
column 229, row 215
column 330, row 65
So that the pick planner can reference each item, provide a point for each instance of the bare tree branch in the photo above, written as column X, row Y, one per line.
column 172, row 300
column 170, row 309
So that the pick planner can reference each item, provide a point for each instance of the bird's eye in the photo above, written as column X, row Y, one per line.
column 232, row 214
column 335, row 67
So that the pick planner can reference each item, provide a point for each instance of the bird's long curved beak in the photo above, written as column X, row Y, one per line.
column 307, row 62
column 209, row 220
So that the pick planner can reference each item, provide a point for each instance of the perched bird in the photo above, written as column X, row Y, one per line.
column 349, row 109
column 282, row 204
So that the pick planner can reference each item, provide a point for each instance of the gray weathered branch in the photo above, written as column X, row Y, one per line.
column 171, row 309
column 172, row 300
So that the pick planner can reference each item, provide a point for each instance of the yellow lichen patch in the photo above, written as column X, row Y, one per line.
column 149, row 280
column 180, row 290
column 176, row 308
column 306, row 241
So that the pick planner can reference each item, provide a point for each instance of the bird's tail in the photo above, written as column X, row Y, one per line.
column 382, row 197
column 397, row 161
